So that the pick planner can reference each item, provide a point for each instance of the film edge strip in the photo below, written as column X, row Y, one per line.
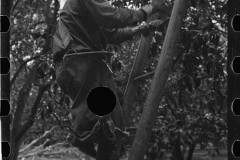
column 235, row 26
column 5, row 106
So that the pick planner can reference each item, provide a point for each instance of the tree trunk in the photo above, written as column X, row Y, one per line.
column 191, row 150
column 159, row 80
column 184, row 150
column 15, row 150
column 137, row 70
column 177, row 154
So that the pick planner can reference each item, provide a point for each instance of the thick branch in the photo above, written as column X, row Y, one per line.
column 157, row 88
column 33, row 112
column 137, row 69
column 177, row 154
column 22, row 96
column 191, row 150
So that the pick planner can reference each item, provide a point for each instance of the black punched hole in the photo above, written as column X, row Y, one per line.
column 101, row 101
column 235, row 65
column 5, row 149
column 5, row 66
column 236, row 107
column 5, row 24
column 4, row 107
column 236, row 148
column 235, row 23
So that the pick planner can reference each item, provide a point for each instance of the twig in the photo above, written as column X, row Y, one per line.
column 56, row 144
column 57, row 152
column 42, row 151
column 41, row 146
column 50, row 95
column 15, row 5
column 32, row 154
column 36, row 140
column 62, row 127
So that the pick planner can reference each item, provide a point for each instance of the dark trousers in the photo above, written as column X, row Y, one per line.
column 76, row 76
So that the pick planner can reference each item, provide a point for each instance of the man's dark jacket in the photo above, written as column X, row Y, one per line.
column 87, row 25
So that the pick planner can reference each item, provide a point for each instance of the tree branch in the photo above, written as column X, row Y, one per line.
column 62, row 127
column 56, row 8
column 33, row 112
column 15, row 5
column 21, row 67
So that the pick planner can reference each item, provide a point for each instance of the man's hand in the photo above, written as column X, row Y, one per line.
column 141, row 29
column 155, row 25
column 146, row 28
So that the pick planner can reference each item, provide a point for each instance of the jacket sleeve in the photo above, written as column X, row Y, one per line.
column 117, row 36
column 109, row 16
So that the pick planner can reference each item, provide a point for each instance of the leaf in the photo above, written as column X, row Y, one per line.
column 54, row 75
column 197, row 82
column 49, row 108
column 42, row 115
column 189, row 85
column 44, row 35
column 217, row 37
column 61, row 101
column 36, row 35
column 179, row 123
column 117, row 3
column 154, row 50
column 179, row 82
column 67, row 101
column 211, row 108
column 221, row 94
column 55, row 87
column 202, row 2
column 196, row 46
column 40, row 72
column 45, row 66
column 208, row 68
column 215, row 85
column 116, row 65
column 182, row 87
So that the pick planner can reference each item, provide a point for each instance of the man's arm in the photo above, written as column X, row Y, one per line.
column 117, row 36
column 109, row 16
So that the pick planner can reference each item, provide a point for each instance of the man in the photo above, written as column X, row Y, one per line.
column 84, row 28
